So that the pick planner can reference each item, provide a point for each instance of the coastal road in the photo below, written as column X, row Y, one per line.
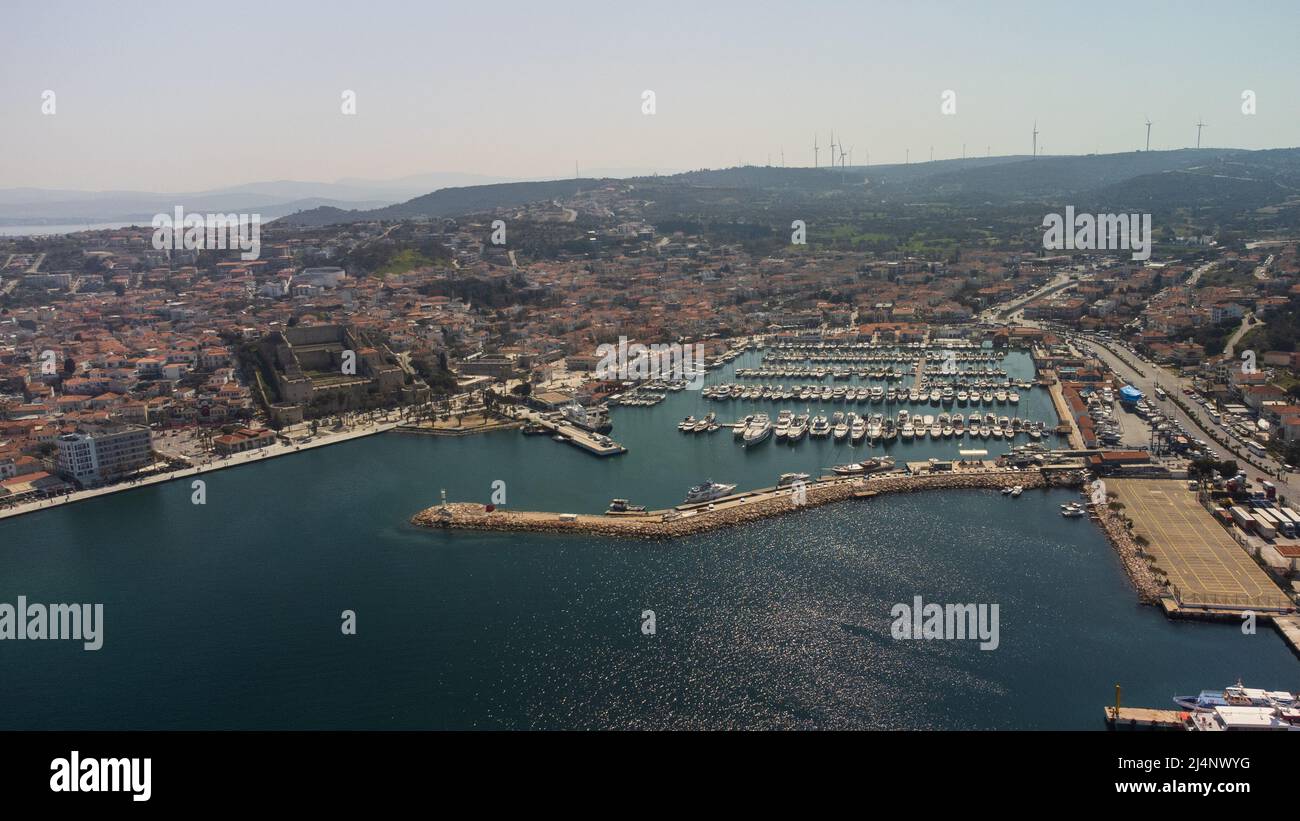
column 1196, row 423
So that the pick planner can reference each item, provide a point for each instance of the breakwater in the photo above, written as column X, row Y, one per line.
column 1150, row 588
column 742, row 508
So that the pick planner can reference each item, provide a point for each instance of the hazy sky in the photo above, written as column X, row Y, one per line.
column 169, row 97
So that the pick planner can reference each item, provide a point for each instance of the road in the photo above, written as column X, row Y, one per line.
column 1261, row 272
column 1059, row 282
column 1196, row 275
column 1198, row 424
column 1248, row 322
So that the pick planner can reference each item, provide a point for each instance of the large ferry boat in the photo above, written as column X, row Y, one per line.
column 708, row 491
column 595, row 418
column 1237, row 695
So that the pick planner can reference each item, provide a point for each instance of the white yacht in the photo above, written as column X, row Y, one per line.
column 820, row 427
column 858, row 430
column 798, row 428
column 758, row 430
column 783, row 420
column 840, row 427
column 708, row 491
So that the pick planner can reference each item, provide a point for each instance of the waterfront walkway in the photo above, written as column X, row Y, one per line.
column 260, row 455
column 1063, row 410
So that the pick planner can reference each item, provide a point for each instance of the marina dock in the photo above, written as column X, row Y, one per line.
column 577, row 437
column 1063, row 411
column 739, row 508
column 1143, row 718
column 1289, row 628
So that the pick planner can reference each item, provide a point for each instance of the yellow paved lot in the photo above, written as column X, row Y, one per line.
column 1202, row 560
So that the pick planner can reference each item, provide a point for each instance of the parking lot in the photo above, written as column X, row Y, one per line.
column 1200, row 557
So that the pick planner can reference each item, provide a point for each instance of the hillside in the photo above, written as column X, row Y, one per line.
column 1219, row 188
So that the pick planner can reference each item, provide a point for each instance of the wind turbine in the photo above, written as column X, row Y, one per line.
column 814, row 151
column 1148, row 133
column 1199, row 126
column 1035, row 138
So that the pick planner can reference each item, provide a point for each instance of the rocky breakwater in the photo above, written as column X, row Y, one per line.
column 1149, row 587
column 734, row 510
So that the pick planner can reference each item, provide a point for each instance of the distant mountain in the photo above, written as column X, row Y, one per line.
column 448, row 202
column 1214, row 183
column 25, row 206
column 37, row 206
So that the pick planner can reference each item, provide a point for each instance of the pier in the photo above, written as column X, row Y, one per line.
column 1289, row 628
column 576, row 436
column 1208, row 573
column 736, row 509
column 1143, row 718
column 1063, row 409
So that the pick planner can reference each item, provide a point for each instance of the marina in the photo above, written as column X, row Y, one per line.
column 925, row 401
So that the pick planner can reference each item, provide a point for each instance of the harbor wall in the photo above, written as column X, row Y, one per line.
column 740, row 509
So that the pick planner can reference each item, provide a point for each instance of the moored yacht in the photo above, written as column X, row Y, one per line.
column 708, row 491
column 820, row 427
column 858, row 430
column 890, row 433
column 742, row 426
column 875, row 463
column 783, row 420
column 840, row 427
column 798, row 428
column 758, row 430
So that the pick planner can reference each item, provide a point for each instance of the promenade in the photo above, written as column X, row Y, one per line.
column 260, row 455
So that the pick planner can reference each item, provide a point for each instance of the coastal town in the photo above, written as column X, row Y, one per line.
column 1165, row 391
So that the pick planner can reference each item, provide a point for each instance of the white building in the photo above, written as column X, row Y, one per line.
column 96, row 456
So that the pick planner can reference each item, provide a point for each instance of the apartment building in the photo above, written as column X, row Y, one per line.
column 99, row 455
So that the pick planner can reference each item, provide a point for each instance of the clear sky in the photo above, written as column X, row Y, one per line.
column 181, row 96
